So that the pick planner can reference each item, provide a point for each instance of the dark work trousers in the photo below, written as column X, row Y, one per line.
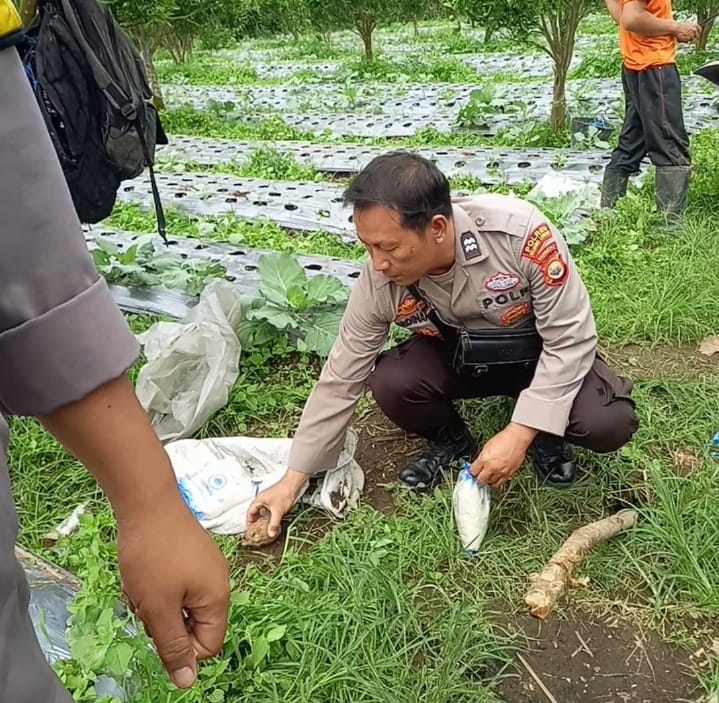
column 653, row 121
column 414, row 385
column 25, row 676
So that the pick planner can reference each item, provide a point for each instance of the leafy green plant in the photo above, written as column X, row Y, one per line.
column 591, row 140
column 565, row 211
column 484, row 103
column 599, row 64
column 267, row 162
column 307, row 309
column 107, row 651
column 138, row 266
column 206, row 71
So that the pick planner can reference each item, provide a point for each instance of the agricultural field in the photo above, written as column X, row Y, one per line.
column 384, row 606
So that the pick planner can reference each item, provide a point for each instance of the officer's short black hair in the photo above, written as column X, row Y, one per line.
column 405, row 182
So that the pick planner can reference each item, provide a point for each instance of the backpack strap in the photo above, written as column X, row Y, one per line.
column 159, row 210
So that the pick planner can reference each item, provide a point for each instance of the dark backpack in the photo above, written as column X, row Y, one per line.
column 91, row 87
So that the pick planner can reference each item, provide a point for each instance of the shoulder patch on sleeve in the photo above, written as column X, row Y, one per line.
column 538, row 239
column 541, row 249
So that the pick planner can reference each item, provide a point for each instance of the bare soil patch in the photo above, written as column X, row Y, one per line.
column 603, row 661
column 665, row 361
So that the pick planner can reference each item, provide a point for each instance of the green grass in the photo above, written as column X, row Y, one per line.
column 422, row 68
column 258, row 235
column 213, row 122
column 216, row 124
column 203, row 70
column 598, row 24
column 264, row 162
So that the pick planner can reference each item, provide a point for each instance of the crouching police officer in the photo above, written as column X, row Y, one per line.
column 496, row 306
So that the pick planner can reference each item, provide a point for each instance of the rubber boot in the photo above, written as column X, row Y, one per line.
column 671, row 186
column 443, row 447
column 553, row 461
column 614, row 186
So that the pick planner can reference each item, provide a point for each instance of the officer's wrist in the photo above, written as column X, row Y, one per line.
column 295, row 479
column 522, row 434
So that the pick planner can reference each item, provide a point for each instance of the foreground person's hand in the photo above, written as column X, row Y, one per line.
column 177, row 582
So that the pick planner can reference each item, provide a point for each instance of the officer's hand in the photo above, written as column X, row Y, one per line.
column 687, row 32
column 277, row 500
column 168, row 563
column 502, row 456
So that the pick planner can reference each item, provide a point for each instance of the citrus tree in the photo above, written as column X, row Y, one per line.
column 550, row 25
column 361, row 16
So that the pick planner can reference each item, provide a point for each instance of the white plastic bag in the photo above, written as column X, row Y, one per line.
column 557, row 185
column 191, row 365
column 220, row 477
column 471, row 502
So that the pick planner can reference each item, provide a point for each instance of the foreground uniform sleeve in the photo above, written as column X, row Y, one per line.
column 363, row 331
column 61, row 334
column 565, row 321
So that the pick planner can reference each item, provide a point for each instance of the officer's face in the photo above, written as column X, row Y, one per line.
column 403, row 255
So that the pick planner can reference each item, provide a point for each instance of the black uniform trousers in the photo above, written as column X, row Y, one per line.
column 414, row 385
column 653, row 121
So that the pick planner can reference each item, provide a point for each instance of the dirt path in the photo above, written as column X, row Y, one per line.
column 666, row 361
column 603, row 661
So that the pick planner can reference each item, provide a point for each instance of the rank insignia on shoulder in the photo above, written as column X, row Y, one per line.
column 470, row 245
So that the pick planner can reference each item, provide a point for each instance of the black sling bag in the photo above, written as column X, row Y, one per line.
column 472, row 352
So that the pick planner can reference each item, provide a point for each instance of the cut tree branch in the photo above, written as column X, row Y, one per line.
column 547, row 587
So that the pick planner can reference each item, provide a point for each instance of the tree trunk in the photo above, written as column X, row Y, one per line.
column 488, row 33
column 415, row 27
column 707, row 24
column 147, row 59
column 558, row 118
column 562, row 54
column 560, row 32
column 365, row 31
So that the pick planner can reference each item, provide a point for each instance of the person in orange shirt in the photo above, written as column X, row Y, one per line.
column 653, row 119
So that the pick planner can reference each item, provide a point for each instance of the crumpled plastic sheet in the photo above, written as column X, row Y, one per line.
column 555, row 185
column 220, row 477
column 52, row 590
column 193, row 364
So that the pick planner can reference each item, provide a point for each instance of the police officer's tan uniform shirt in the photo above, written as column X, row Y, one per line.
column 512, row 268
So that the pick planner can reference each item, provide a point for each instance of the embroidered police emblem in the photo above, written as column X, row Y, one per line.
column 470, row 245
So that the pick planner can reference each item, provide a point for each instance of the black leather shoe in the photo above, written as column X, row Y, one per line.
column 446, row 446
column 553, row 461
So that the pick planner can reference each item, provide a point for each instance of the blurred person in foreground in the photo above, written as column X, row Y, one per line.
column 65, row 349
